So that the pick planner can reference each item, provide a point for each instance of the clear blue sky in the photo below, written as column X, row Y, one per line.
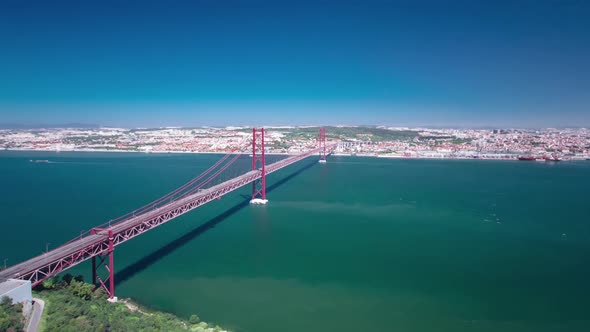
column 174, row 63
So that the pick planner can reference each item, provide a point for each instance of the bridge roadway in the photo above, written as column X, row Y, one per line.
column 66, row 256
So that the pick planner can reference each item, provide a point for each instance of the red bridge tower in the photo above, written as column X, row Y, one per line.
column 258, row 186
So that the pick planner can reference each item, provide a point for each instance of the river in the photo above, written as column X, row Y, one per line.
column 356, row 244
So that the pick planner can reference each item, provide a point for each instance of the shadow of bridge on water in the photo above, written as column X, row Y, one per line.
column 150, row 259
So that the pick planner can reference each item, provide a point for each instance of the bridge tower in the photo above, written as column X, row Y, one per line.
column 108, row 253
column 322, row 144
column 258, row 186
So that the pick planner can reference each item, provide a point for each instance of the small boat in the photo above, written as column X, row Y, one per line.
column 40, row 161
column 554, row 158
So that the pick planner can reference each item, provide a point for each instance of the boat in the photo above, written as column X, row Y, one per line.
column 553, row 158
column 40, row 161
column 527, row 158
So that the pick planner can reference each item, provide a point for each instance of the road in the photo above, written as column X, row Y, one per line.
column 38, row 306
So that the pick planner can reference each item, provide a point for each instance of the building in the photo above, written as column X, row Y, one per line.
column 17, row 290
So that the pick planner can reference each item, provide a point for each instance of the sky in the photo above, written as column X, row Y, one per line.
column 217, row 63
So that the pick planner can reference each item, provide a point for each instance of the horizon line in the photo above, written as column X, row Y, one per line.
column 281, row 126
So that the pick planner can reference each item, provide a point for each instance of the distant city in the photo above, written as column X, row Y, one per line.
column 393, row 142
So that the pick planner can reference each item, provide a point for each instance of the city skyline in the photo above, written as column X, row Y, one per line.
column 565, row 144
column 459, row 64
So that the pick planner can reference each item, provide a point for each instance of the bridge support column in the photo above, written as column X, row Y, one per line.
column 110, row 267
column 258, row 186
column 94, row 270
column 322, row 145
column 112, row 296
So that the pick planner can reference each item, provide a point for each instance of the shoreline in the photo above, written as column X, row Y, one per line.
column 145, row 152
column 145, row 309
column 386, row 156
column 57, row 311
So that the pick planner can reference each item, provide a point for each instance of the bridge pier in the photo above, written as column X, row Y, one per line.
column 94, row 270
column 258, row 186
column 112, row 297
column 110, row 279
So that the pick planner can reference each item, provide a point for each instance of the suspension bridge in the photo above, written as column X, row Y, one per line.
column 98, row 244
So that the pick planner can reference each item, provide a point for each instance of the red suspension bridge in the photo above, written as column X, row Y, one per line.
column 99, row 243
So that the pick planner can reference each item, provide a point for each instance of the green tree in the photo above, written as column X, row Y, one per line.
column 51, row 283
column 81, row 289
column 5, row 301
column 67, row 278
column 11, row 316
column 194, row 319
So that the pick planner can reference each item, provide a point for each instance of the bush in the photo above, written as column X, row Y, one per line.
column 75, row 307
column 194, row 319
column 11, row 315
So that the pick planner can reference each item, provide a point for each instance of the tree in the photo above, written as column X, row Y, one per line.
column 67, row 278
column 11, row 316
column 5, row 301
column 81, row 289
column 51, row 283
column 194, row 319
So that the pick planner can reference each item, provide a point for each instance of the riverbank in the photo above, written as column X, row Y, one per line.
column 145, row 152
column 71, row 305
column 371, row 155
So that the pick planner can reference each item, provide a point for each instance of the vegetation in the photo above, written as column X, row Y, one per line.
column 71, row 305
column 435, row 137
column 461, row 140
column 372, row 134
column 11, row 316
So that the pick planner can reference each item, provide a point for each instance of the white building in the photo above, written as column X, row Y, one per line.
column 18, row 290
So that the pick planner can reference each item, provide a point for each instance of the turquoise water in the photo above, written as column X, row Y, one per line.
column 357, row 244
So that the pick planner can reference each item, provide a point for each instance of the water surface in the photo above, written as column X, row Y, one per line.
column 357, row 244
